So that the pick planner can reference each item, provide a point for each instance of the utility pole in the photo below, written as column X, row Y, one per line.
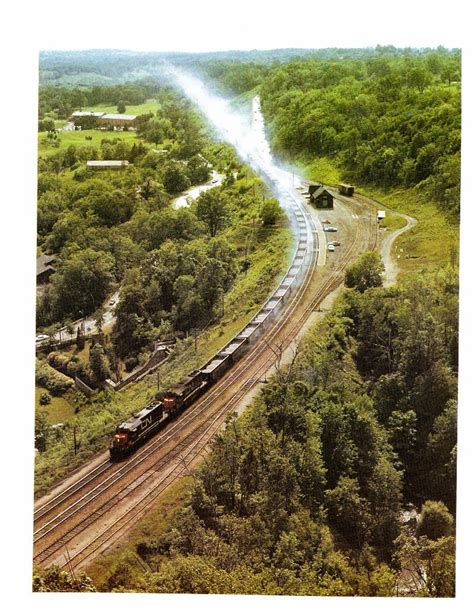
column 75, row 439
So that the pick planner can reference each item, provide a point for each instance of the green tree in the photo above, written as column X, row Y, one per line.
column 54, row 579
column 45, row 399
column 429, row 563
column 83, row 282
column 348, row 511
column 366, row 272
column 212, row 209
column 435, row 520
column 98, row 363
column 121, row 109
column 270, row 212
column 175, row 179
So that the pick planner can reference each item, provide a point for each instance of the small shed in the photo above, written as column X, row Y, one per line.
column 322, row 198
column 380, row 214
column 107, row 164
column 312, row 187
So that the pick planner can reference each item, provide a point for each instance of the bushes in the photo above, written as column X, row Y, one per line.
column 51, row 379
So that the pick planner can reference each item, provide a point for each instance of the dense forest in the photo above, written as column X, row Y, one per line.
column 388, row 119
column 302, row 494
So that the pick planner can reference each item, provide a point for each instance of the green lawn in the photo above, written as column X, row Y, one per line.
column 320, row 169
column 59, row 410
column 392, row 221
column 432, row 243
column 78, row 138
column 151, row 105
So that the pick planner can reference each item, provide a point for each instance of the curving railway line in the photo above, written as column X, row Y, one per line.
column 94, row 511
column 82, row 520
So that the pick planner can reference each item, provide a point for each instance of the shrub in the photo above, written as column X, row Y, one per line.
column 436, row 521
column 130, row 363
column 45, row 399
column 51, row 379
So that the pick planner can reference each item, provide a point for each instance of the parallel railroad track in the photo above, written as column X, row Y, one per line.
column 190, row 447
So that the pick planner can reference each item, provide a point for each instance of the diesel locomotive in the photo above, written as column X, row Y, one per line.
column 136, row 430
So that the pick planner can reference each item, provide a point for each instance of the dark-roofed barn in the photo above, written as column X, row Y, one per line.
column 44, row 268
column 322, row 198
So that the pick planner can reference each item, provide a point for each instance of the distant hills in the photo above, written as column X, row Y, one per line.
column 107, row 66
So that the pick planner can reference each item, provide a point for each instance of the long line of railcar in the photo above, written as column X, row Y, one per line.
column 136, row 430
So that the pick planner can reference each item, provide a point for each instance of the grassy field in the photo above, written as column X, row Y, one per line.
column 392, row 221
column 78, row 138
column 59, row 410
column 151, row 105
column 320, row 170
column 432, row 243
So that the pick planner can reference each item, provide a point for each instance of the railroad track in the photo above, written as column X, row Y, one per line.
column 173, row 462
column 192, row 413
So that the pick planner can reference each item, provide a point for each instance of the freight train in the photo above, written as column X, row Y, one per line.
column 136, row 430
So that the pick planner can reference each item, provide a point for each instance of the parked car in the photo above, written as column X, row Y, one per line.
column 330, row 229
column 334, row 243
column 111, row 302
column 331, row 248
column 41, row 337
column 214, row 181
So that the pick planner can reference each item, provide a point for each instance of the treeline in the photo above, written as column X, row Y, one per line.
column 303, row 493
column 389, row 118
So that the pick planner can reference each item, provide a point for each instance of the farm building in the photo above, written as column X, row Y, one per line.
column 44, row 268
column 107, row 164
column 77, row 114
column 106, row 120
column 117, row 120
column 322, row 198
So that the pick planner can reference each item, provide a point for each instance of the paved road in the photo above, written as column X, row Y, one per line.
column 185, row 199
column 87, row 323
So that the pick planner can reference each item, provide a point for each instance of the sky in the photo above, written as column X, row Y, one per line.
column 193, row 26
column 208, row 25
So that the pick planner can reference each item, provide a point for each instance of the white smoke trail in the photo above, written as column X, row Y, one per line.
column 249, row 140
